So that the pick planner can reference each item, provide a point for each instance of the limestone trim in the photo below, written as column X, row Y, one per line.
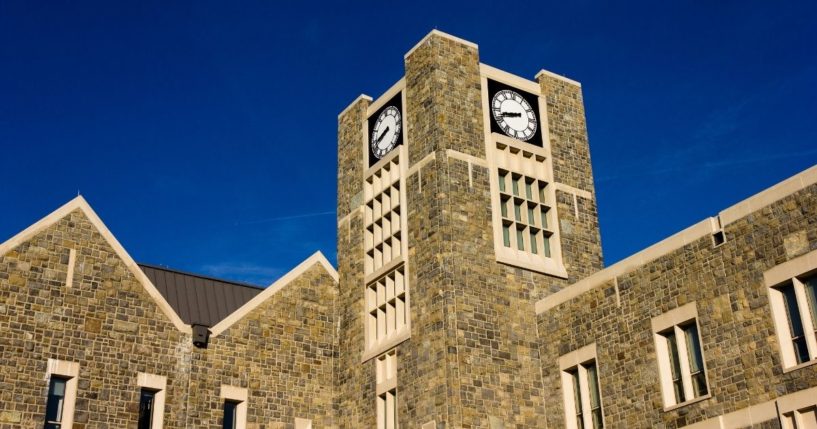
column 575, row 369
column 386, row 96
column 470, row 160
column 353, row 103
column 790, row 277
column 239, row 396
column 439, row 33
column 581, row 193
column 158, row 384
column 760, row 412
column 79, row 203
column 511, row 79
column 689, row 235
column 69, row 371
column 547, row 73
column 348, row 217
column 72, row 260
column 316, row 258
column 303, row 423
column 421, row 163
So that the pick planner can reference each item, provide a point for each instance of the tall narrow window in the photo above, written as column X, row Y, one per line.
column 56, row 403
column 794, row 309
column 682, row 370
column 230, row 414
column 386, row 385
column 234, row 414
column 147, row 400
column 580, row 380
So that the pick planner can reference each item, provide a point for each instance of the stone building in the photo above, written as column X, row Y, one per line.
column 470, row 292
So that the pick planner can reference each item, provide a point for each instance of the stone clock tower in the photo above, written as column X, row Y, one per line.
column 465, row 195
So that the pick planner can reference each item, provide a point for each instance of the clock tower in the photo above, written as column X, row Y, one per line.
column 465, row 195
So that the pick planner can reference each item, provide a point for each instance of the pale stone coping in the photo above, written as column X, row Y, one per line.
column 157, row 383
column 577, row 357
column 69, row 370
column 436, row 32
column 303, row 423
column 768, row 196
column 674, row 317
column 790, row 269
column 236, row 394
column 451, row 153
column 761, row 412
column 235, row 316
column 701, row 229
column 575, row 191
column 510, row 79
column 352, row 104
column 72, row 260
column 386, row 96
column 79, row 203
column 390, row 342
column 348, row 217
column 544, row 72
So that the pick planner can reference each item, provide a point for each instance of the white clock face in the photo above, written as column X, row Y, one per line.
column 385, row 132
column 514, row 114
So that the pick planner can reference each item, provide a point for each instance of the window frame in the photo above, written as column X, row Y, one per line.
column 386, row 390
column 574, row 369
column 156, row 384
column 676, row 322
column 238, row 396
column 541, row 171
column 68, row 371
column 794, row 274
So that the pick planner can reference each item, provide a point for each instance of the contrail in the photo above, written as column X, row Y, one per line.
column 275, row 219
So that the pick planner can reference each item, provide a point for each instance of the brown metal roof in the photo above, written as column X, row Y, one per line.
column 198, row 299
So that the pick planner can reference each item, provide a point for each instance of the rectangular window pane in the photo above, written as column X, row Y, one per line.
column 544, row 217
column 520, row 240
column 577, row 399
column 146, row 399
column 546, row 245
column 515, row 184
column 795, row 323
column 230, row 414
column 506, row 235
column 503, row 206
column 531, row 218
column 533, row 248
column 528, row 190
column 56, row 401
column 696, row 362
column 675, row 367
column 501, row 182
column 517, row 211
column 810, row 285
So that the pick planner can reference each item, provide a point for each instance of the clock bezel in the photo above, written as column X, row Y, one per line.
column 395, row 101
column 494, row 87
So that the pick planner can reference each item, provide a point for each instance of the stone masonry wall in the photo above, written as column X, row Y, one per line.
column 740, row 346
column 106, row 322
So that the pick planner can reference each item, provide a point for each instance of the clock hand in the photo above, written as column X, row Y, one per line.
column 510, row 114
column 386, row 131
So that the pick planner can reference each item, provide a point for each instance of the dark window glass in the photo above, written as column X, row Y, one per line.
column 696, row 361
column 577, row 399
column 595, row 397
column 230, row 414
column 675, row 366
column 798, row 338
column 146, row 401
column 56, row 401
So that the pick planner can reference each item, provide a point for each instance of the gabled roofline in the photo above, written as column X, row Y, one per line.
column 79, row 203
column 316, row 258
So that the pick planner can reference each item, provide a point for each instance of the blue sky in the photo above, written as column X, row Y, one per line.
column 184, row 123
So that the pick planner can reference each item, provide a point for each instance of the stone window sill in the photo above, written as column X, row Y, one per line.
column 690, row 402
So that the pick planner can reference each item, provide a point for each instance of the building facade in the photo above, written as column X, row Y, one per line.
column 470, row 292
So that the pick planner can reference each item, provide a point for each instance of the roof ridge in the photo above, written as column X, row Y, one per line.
column 201, row 276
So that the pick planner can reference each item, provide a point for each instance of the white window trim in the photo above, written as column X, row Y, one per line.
column 239, row 395
column 791, row 272
column 576, row 360
column 552, row 265
column 671, row 320
column 386, row 384
column 158, row 384
column 69, row 370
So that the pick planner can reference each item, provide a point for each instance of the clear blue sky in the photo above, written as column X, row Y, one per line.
column 184, row 123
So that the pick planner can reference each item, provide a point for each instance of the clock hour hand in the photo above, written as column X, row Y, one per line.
column 386, row 131
column 510, row 114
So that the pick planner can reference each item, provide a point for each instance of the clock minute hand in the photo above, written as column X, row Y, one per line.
column 386, row 131
column 510, row 114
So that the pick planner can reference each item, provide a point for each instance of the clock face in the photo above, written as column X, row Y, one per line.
column 514, row 114
column 386, row 131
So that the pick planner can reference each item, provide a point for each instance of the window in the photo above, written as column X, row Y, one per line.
column 794, row 308
column 62, row 394
column 151, row 400
column 582, row 394
column 800, row 419
column 146, row 404
column 56, row 402
column 680, row 357
column 234, row 407
column 385, row 265
column 525, row 222
column 387, row 390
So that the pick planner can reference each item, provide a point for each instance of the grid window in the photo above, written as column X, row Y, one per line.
column 800, row 419
column 387, row 390
column 524, row 208
column 584, row 390
column 793, row 306
column 680, row 357
column 384, row 216
column 386, row 306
